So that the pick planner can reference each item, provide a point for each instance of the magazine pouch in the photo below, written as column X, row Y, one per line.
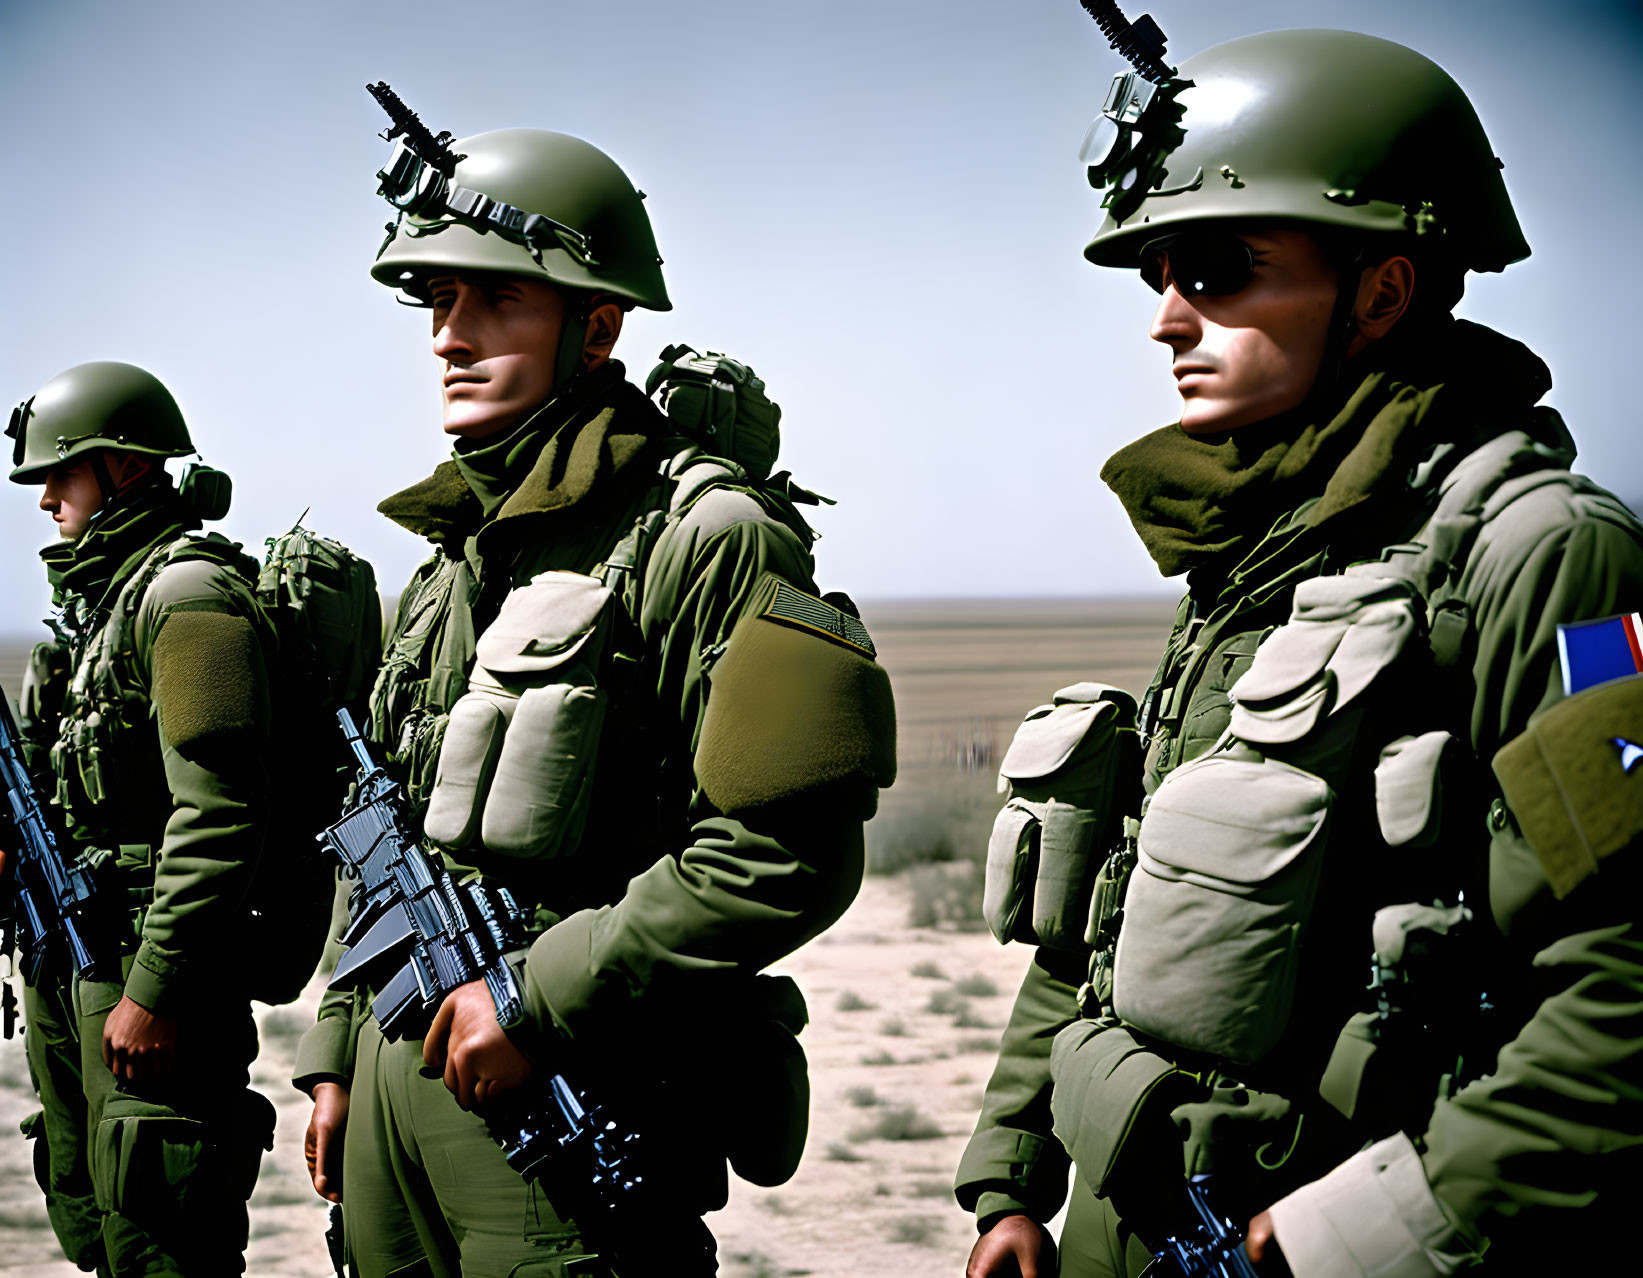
column 1065, row 775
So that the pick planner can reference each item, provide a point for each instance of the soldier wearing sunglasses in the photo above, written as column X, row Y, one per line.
column 1351, row 767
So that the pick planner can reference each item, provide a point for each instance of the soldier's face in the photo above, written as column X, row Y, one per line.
column 496, row 338
column 72, row 496
column 1246, row 356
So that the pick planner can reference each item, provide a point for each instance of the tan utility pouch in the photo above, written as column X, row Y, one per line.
column 1409, row 789
column 1232, row 844
column 1062, row 773
column 517, row 758
column 1228, row 867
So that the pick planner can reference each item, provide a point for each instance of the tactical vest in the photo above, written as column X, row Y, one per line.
column 316, row 608
column 106, row 699
column 496, row 726
column 1271, row 742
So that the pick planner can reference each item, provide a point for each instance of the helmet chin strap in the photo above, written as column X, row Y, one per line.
column 572, row 338
column 1342, row 328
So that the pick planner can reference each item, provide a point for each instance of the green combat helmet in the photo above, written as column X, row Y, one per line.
column 1328, row 128
column 94, row 406
column 110, row 405
column 524, row 201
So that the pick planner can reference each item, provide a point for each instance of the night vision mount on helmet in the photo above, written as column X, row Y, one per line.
column 518, row 201
column 1320, row 128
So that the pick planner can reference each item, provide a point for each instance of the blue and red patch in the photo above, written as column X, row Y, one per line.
column 1594, row 652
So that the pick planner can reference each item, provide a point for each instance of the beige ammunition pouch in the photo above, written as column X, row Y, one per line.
column 1062, row 774
column 516, row 763
column 1231, row 845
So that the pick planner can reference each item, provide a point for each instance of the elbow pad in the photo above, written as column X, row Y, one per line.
column 796, row 703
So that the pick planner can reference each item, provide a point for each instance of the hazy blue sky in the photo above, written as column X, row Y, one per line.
column 877, row 205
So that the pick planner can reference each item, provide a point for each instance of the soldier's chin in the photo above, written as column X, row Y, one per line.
column 1215, row 416
column 469, row 420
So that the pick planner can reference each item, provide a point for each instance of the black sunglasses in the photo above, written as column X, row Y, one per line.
column 1213, row 263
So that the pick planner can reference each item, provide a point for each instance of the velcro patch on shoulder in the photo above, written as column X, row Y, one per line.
column 209, row 680
column 1574, row 780
column 791, row 606
column 794, row 710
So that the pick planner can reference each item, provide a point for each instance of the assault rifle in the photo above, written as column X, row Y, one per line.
column 1213, row 1247
column 47, row 910
column 415, row 935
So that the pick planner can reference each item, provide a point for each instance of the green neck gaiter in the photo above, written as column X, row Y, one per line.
column 118, row 538
column 494, row 468
column 1192, row 498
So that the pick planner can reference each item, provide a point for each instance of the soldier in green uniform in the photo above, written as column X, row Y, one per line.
column 614, row 690
column 1356, row 764
column 154, row 707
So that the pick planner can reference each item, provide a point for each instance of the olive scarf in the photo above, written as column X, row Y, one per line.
column 1195, row 497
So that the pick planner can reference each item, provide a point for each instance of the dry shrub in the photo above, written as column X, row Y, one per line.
column 977, row 986
column 941, row 821
column 850, row 1001
column 946, row 895
column 897, row 1122
column 919, row 1231
column 929, row 970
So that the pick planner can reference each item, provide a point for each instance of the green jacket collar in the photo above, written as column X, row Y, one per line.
column 84, row 572
column 589, row 438
column 1201, row 501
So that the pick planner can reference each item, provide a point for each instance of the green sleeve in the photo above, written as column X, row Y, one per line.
column 326, row 1052
column 1551, row 1124
column 194, row 637
column 1013, row 1164
column 741, row 892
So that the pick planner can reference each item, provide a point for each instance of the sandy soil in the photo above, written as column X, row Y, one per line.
column 904, row 1020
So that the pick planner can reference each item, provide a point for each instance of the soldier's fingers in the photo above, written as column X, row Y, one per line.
column 433, row 1046
column 453, row 1078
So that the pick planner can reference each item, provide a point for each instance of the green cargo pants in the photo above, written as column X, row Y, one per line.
column 173, row 1160
column 427, row 1192
column 59, row 1128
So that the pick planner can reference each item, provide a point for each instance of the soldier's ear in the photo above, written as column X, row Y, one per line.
column 604, row 327
column 1384, row 293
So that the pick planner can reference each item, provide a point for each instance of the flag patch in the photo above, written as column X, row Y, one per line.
column 1593, row 652
column 794, row 607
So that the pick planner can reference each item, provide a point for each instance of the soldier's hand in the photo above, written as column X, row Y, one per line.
column 1261, row 1245
column 322, row 1144
column 1016, row 1245
column 138, row 1044
column 479, row 1059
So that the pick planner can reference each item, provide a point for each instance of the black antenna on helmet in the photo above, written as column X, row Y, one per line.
column 434, row 150
column 1140, row 43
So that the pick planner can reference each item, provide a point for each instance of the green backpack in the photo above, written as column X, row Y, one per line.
column 720, row 404
column 321, row 600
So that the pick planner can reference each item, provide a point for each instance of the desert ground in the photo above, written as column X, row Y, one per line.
column 907, row 993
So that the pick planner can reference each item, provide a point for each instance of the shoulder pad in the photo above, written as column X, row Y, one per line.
column 1574, row 780
column 797, row 707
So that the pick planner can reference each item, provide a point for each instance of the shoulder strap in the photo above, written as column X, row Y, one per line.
column 1481, row 485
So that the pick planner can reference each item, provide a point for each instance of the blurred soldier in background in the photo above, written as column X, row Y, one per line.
column 1359, row 754
column 149, row 718
column 614, row 690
